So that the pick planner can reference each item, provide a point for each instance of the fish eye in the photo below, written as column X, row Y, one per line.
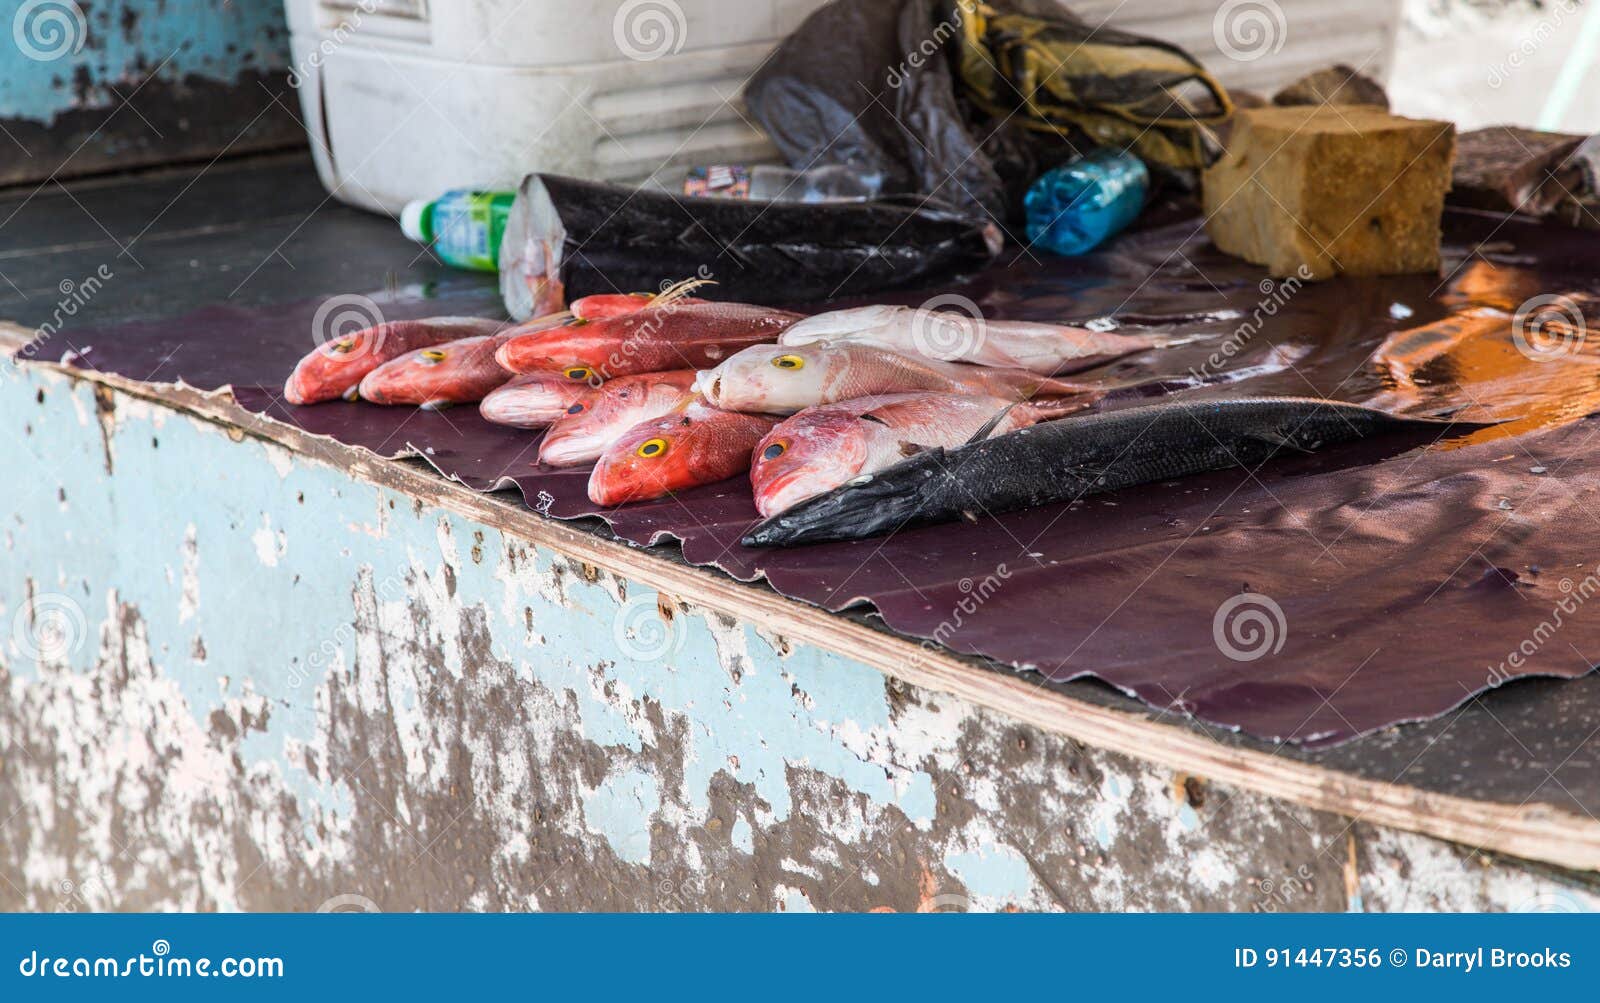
column 342, row 346
column 789, row 362
column 576, row 408
column 431, row 357
column 577, row 373
column 773, row 451
column 651, row 448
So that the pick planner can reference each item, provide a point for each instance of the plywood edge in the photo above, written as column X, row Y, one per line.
column 1534, row 832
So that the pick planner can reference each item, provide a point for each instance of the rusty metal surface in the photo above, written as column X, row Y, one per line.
column 319, row 688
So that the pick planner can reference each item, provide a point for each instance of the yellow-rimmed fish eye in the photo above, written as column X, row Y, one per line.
column 789, row 362
column 342, row 346
column 577, row 373
column 652, row 448
column 431, row 357
column 774, row 451
column 576, row 408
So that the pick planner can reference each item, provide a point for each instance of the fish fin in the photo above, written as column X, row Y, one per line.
column 989, row 426
column 678, row 290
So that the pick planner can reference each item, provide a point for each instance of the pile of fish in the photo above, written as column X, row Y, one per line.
column 849, row 423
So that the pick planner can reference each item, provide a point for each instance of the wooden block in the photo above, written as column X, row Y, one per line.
column 1331, row 190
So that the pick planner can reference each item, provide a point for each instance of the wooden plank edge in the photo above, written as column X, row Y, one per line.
column 1534, row 832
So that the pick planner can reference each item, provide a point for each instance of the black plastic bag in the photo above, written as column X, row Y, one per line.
column 568, row 238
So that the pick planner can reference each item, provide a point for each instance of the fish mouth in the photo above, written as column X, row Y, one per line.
column 708, row 384
column 292, row 392
column 568, row 451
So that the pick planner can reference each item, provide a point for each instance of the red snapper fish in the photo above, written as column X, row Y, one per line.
column 603, row 306
column 601, row 416
column 654, row 339
column 335, row 368
column 694, row 445
column 456, row 372
column 948, row 336
column 822, row 447
column 783, row 379
column 534, row 400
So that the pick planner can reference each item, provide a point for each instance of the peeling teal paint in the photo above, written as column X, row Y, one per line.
column 996, row 873
column 620, row 809
column 84, row 50
column 271, row 574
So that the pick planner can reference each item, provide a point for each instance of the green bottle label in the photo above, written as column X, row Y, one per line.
column 467, row 227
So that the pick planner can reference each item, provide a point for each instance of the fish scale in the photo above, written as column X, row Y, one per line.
column 1074, row 457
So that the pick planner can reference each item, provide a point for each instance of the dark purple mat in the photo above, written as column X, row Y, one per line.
column 1381, row 583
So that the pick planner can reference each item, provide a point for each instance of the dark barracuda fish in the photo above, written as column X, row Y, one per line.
column 1072, row 457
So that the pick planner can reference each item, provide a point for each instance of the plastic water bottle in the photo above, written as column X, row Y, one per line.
column 1073, row 208
column 464, row 227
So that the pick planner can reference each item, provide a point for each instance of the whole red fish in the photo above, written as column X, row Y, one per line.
column 596, row 420
column 823, row 447
column 534, row 400
column 456, row 372
column 657, row 338
column 783, row 379
column 695, row 445
column 604, row 306
column 335, row 369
